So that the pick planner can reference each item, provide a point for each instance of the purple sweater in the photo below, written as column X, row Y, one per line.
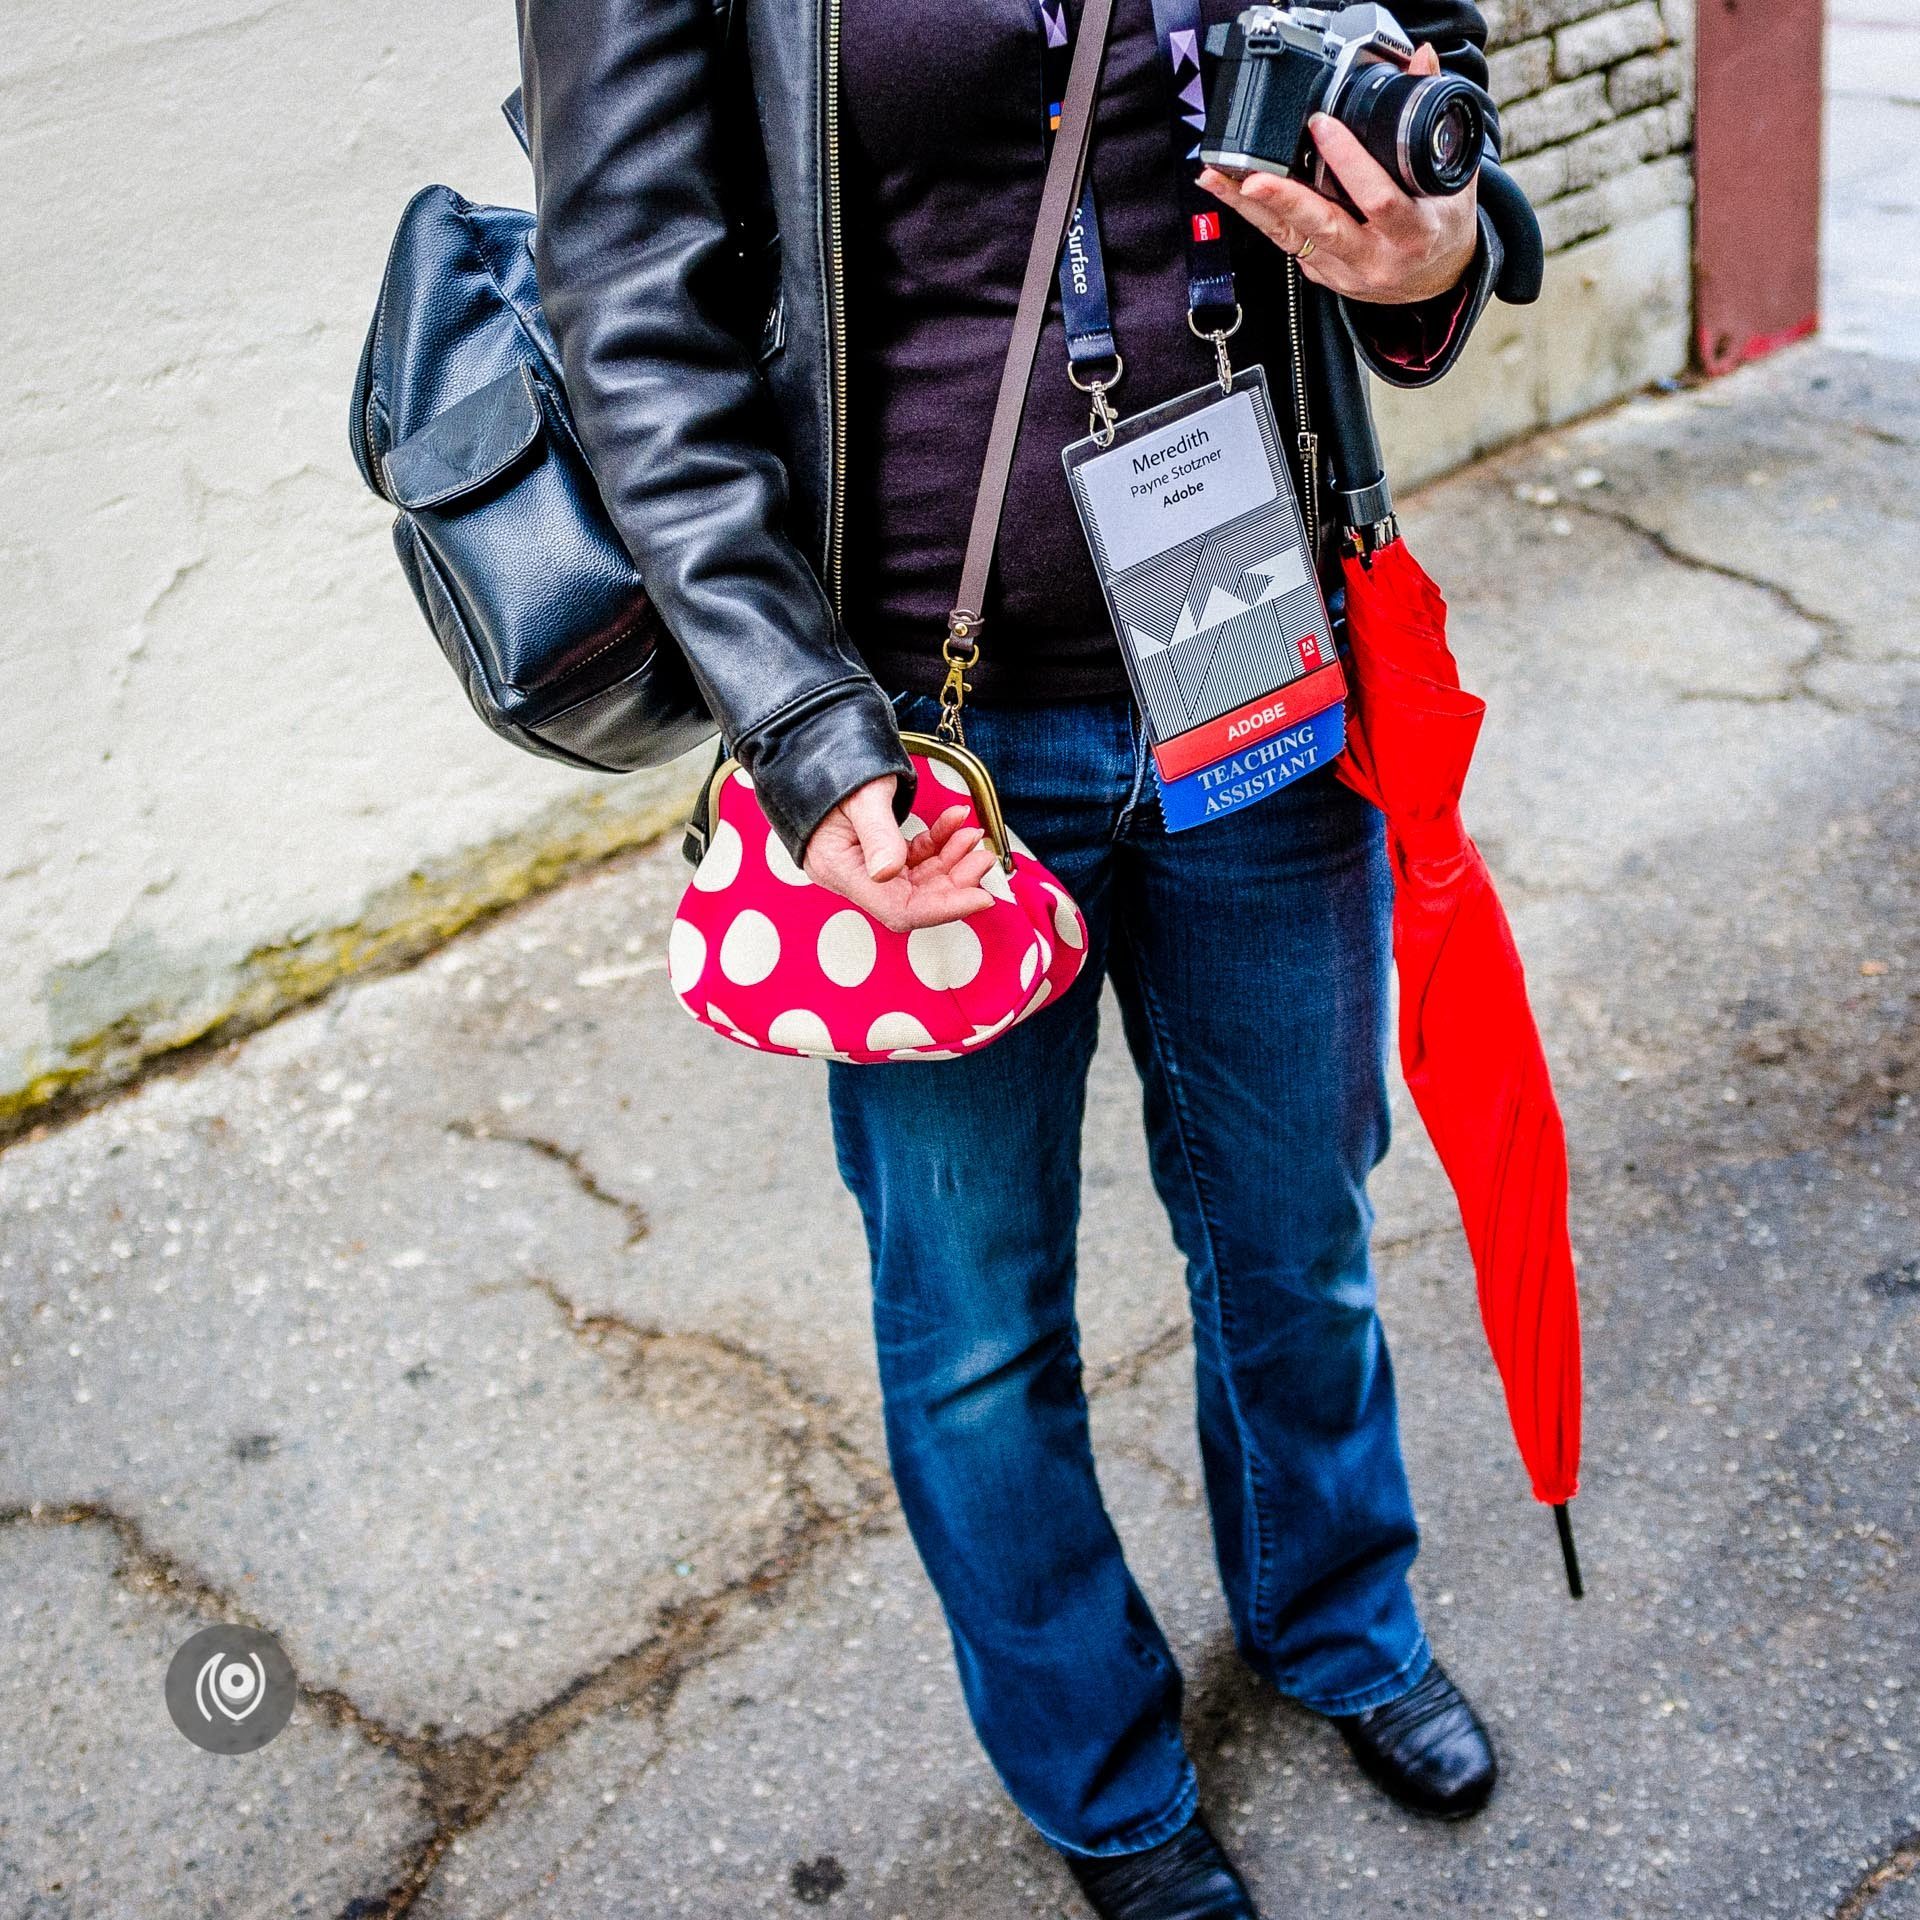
column 941, row 162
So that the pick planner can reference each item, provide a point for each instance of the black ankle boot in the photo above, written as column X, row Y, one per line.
column 1185, row 1878
column 1426, row 1750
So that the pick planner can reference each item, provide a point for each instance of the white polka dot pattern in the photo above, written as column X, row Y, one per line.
column 799, row 970
column 686, row 956
column 944, row 957
column 847, row 948
column 895, row 1033
column 804, row 1032
column 751, row 949
column 719, row 868
column 1066, row 919
column 781, row 864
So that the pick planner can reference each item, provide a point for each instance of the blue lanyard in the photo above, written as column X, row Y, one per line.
column 1083, row 270
column 1212, row 311
column 1210, row 293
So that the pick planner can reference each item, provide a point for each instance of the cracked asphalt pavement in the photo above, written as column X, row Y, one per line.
column 497, row 1338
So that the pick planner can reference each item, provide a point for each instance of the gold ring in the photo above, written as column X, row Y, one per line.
column 1304, row 251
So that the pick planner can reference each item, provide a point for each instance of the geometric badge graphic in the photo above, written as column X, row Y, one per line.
column 1219, row 620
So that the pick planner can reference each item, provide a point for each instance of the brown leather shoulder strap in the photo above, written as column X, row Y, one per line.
column 1058, row 196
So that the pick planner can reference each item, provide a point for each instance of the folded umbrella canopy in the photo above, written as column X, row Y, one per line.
column 1468, row 1043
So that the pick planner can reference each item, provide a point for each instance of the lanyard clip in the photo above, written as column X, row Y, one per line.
column 1219, row 336
column 1101, row 420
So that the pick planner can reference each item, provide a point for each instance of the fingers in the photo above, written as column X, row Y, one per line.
column 975, row 867
column 958, row 846
column 1287, row 212
column 937, row 838
column 1424, row 60
column 1369, row 185
column 949, row 904
column 1408, row 249
column 883, row 848
column 859, row 853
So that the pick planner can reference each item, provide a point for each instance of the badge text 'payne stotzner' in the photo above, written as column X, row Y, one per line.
column 1167, row 481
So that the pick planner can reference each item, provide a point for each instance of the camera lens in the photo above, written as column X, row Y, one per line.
column 1428, row 131
column 1443, row 133
column 1448, row 136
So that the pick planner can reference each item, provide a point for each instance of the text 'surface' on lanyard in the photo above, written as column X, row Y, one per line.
column 1191, row 515
column 1093, row 361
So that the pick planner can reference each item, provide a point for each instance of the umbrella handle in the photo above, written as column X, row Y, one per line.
column 1563, row 1525
column 1359, row 474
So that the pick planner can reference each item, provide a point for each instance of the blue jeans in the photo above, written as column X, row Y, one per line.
column 1249, row 959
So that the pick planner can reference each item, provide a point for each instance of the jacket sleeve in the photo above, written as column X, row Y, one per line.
column 1413, row 345
column 634, row 261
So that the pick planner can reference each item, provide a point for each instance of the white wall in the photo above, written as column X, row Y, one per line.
column 225, row 727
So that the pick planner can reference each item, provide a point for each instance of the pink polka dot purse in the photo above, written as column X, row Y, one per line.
column 759, row 953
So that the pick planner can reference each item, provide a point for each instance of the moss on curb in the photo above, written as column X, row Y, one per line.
column 399, row 925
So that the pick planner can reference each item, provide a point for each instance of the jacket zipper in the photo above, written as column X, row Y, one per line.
column 836, row 312
column 1306, row 441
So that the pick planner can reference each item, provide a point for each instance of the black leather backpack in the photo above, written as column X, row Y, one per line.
column 460, row 419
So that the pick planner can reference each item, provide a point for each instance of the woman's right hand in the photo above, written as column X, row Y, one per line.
column 859, row 852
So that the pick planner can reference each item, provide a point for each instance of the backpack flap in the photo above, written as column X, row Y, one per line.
column 468, row 446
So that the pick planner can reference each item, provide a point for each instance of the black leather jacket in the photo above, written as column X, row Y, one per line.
column 688, row 250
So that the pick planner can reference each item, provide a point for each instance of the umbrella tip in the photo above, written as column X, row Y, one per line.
column 1563, row 1525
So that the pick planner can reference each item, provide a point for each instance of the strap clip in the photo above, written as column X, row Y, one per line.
column 959, row 650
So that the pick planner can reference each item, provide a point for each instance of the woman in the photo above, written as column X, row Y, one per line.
column 781, row 252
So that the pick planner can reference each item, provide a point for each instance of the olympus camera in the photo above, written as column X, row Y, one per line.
column 1278, row 66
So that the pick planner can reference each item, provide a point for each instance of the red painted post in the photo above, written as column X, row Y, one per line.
column 1757, row 169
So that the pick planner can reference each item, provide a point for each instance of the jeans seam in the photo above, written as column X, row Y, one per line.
column 1137, row 740
column 1259, row 1601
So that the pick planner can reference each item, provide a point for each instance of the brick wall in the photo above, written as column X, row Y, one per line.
column 1595, row 104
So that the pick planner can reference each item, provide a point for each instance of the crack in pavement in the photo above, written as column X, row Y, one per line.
column 151, row 1569
column 1131, row 1368
column 1882, row 436
column 574, row 1161
column 1833, row 635
column 462, row 1780
column 809, row 1412
column 1901, row 1864
column 1184, row 1490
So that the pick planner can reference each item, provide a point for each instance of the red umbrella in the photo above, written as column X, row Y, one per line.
column 1468, row 1043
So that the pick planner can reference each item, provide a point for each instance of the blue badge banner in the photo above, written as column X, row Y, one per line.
column 1244, row 778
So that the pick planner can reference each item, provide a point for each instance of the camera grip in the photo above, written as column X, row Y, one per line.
column 1513, row 219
